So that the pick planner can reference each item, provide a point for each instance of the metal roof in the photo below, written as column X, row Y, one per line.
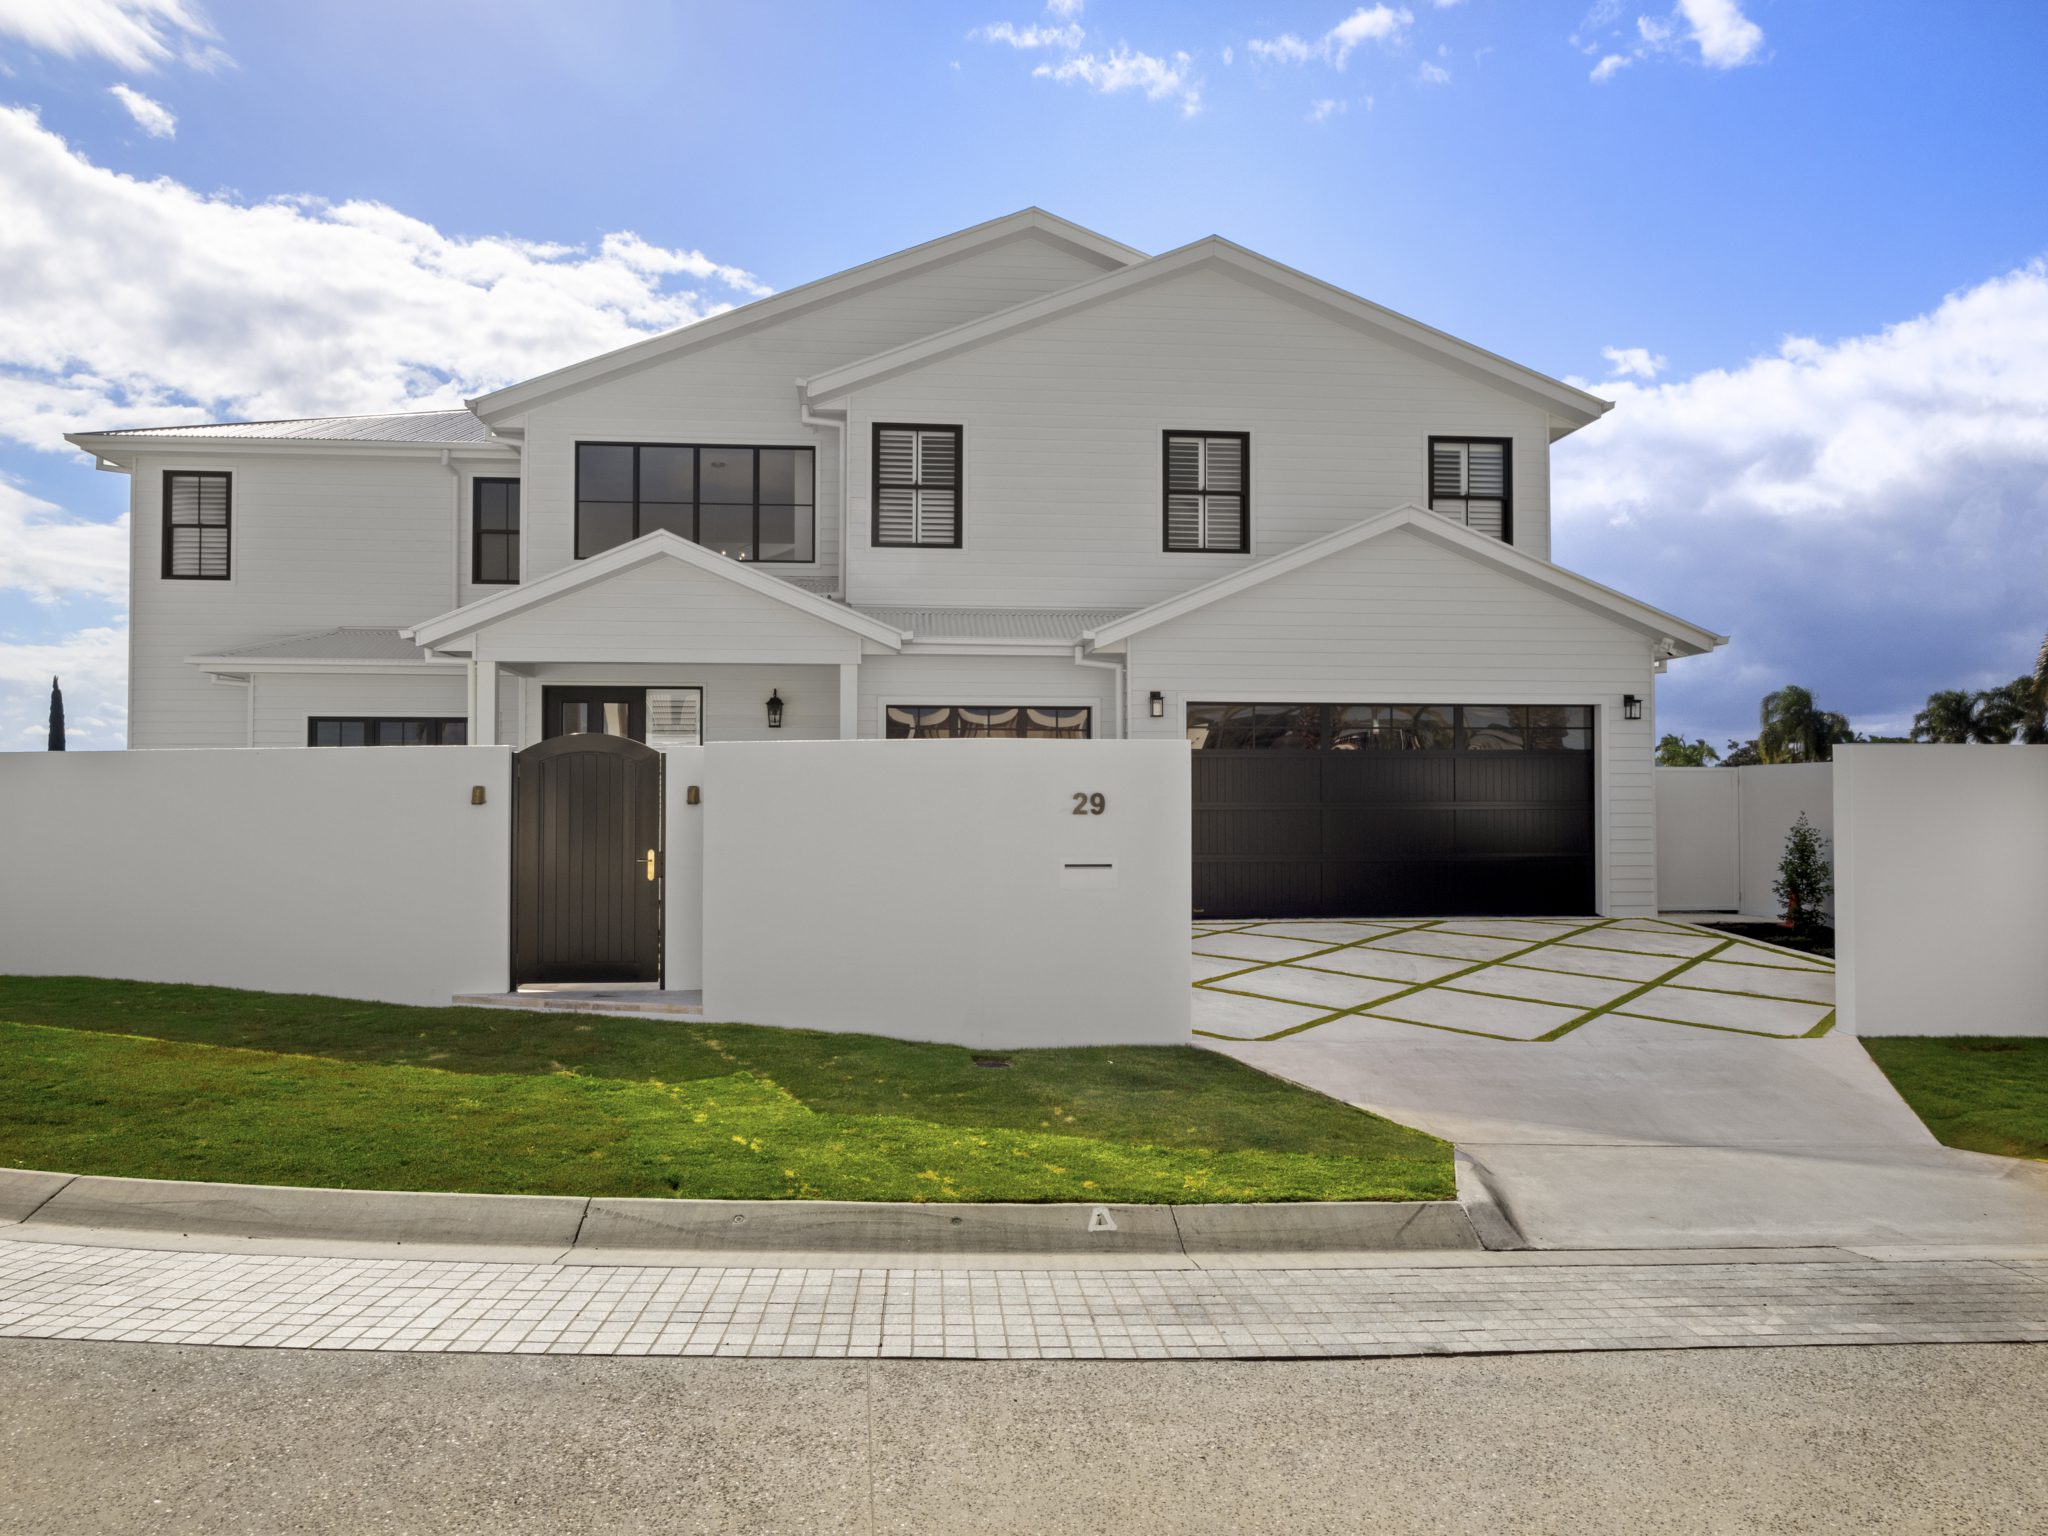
column 1061, row 625
column 424, row 427
column 332, row 645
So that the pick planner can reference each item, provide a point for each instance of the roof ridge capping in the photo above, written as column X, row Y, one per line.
column 881, row 269
column 1574, row 405
column 1686, row 638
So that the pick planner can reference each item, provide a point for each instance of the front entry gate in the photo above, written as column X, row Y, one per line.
column 586, row 861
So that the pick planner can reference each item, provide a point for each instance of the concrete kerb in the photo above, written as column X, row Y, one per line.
column 725, row 1231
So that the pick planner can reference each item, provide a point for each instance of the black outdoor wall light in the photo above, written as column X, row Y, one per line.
column 774, row 710
column 1158, row 706
column 1631, row 707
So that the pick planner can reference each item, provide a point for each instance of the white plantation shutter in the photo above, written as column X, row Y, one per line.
column 196, row 529
column 917, row 485
column 1468, row 483
column 675, row 717
column 1205, row 492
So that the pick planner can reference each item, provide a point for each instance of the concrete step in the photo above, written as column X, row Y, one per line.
column 605, row 1000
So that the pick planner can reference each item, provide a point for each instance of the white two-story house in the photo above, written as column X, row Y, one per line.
column 1019, row 481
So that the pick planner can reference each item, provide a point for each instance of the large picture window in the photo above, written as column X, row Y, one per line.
column 198, row 515
column 386, row 731
column 939, row 722
column 1208, row 491
column 494, row 532
column 746, row 503
column 917, row 485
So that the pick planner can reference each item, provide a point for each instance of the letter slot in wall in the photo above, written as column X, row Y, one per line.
column 1087, row 877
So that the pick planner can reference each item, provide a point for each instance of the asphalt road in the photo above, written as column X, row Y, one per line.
column 144, row 1439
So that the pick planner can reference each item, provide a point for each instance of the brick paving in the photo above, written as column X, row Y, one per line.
column 67, row 1291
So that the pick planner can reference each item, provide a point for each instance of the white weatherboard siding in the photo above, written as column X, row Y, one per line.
column 286, row 700
column 354, row 874
column 319, row 541
column 662, row 611
column 1062, row 445
column 946, row 891
column 742, row 391
column 1941, row 894
column 1403, row 620
column 735, row 697
column 926, row 679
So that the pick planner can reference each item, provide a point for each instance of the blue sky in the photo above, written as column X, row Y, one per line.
column 1799, row 243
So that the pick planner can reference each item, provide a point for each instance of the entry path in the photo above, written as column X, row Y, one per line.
column 1461, row 1305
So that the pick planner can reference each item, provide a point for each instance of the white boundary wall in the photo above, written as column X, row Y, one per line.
column 947, row 891
column 682, row 872
column 1941, row 890
column 349, row 873
column 1721, row 832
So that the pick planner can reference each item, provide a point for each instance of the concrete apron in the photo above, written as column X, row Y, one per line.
column 743, row 1233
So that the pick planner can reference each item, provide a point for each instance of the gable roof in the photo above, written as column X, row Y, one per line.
column 1687, row 639
column 1024, row 223
column 659, row 545
column 1573, row 407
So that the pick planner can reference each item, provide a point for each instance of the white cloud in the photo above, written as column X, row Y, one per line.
column 1724, row 37
column 134, row 302
column 1368, row 24
column 1634, row 362
column 49, row 554
column 93, row 664
column 1066, row 10
column 1067, row 38
column 1229, row 55
column 1123, row 69
column 140, row 35
column 1323, row 109
column 1868, row 517
column 152, row 117
column 1433, row 74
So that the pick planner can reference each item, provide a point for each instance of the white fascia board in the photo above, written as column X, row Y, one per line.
column 780, row 306
column 241, row 664
column 1690, row 639
column 1573, row 407
column 133, row 444
column 1063, row 648
column 660, row 545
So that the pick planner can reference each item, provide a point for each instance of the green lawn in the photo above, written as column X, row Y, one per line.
column 175, row 1082
column 1982, row 1093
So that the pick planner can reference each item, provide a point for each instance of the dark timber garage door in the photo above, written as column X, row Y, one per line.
column 1373, row 810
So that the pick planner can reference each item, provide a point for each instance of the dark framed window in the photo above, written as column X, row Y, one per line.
column 917, row 485
column 939, row 722
column 198, row 524
column 1207, row 492
column 1391, row 727
column 494, row 532
column 1471, row 482
column 746, row 503
column 386, row 731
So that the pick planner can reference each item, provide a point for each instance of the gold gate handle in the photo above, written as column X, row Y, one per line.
column 650, row 863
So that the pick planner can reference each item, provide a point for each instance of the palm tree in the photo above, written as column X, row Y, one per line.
column 2016, row 712
column 1956, row 717
column 1793, row 729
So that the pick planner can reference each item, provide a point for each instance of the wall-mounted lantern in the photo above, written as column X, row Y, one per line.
column 1158, row 705
column 1631, row 707
column 774, row 710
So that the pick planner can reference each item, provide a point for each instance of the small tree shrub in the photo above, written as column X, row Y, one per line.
column 1806, row 877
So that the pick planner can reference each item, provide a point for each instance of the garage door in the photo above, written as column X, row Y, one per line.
column 1374, row 810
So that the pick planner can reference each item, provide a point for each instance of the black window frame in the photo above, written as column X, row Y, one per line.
column 371, row 722
column 1244, row 494
column 696, row 492
column 1086, row 733
column 227, row 478
column 477, row 532
column 959, row 486
column 1507, row 477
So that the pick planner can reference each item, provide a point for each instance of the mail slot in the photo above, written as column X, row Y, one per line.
column 1087, row 877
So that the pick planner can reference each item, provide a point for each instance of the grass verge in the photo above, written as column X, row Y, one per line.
column 180, row 1082
column 1982, row 1093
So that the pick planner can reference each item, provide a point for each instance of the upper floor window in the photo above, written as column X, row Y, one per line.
column 1208, row 490
column 917, row 485
column 1468, row 483
column 197, row 524
column 746, row 503
column 494, row 531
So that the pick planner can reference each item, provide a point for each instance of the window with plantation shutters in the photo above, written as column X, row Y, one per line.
column 917, row 485
column 1468, row 483
column 197, row 525
column 1208, row 491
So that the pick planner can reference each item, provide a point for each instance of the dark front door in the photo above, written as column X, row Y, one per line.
column 598, row 711
column 1381, row 810
column 586, row 860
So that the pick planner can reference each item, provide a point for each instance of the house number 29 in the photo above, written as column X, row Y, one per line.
column 1086, row 804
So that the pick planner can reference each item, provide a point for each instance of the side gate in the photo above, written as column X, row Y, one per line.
column 587, row 861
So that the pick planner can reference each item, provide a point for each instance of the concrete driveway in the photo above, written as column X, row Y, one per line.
column 1620, row 1129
